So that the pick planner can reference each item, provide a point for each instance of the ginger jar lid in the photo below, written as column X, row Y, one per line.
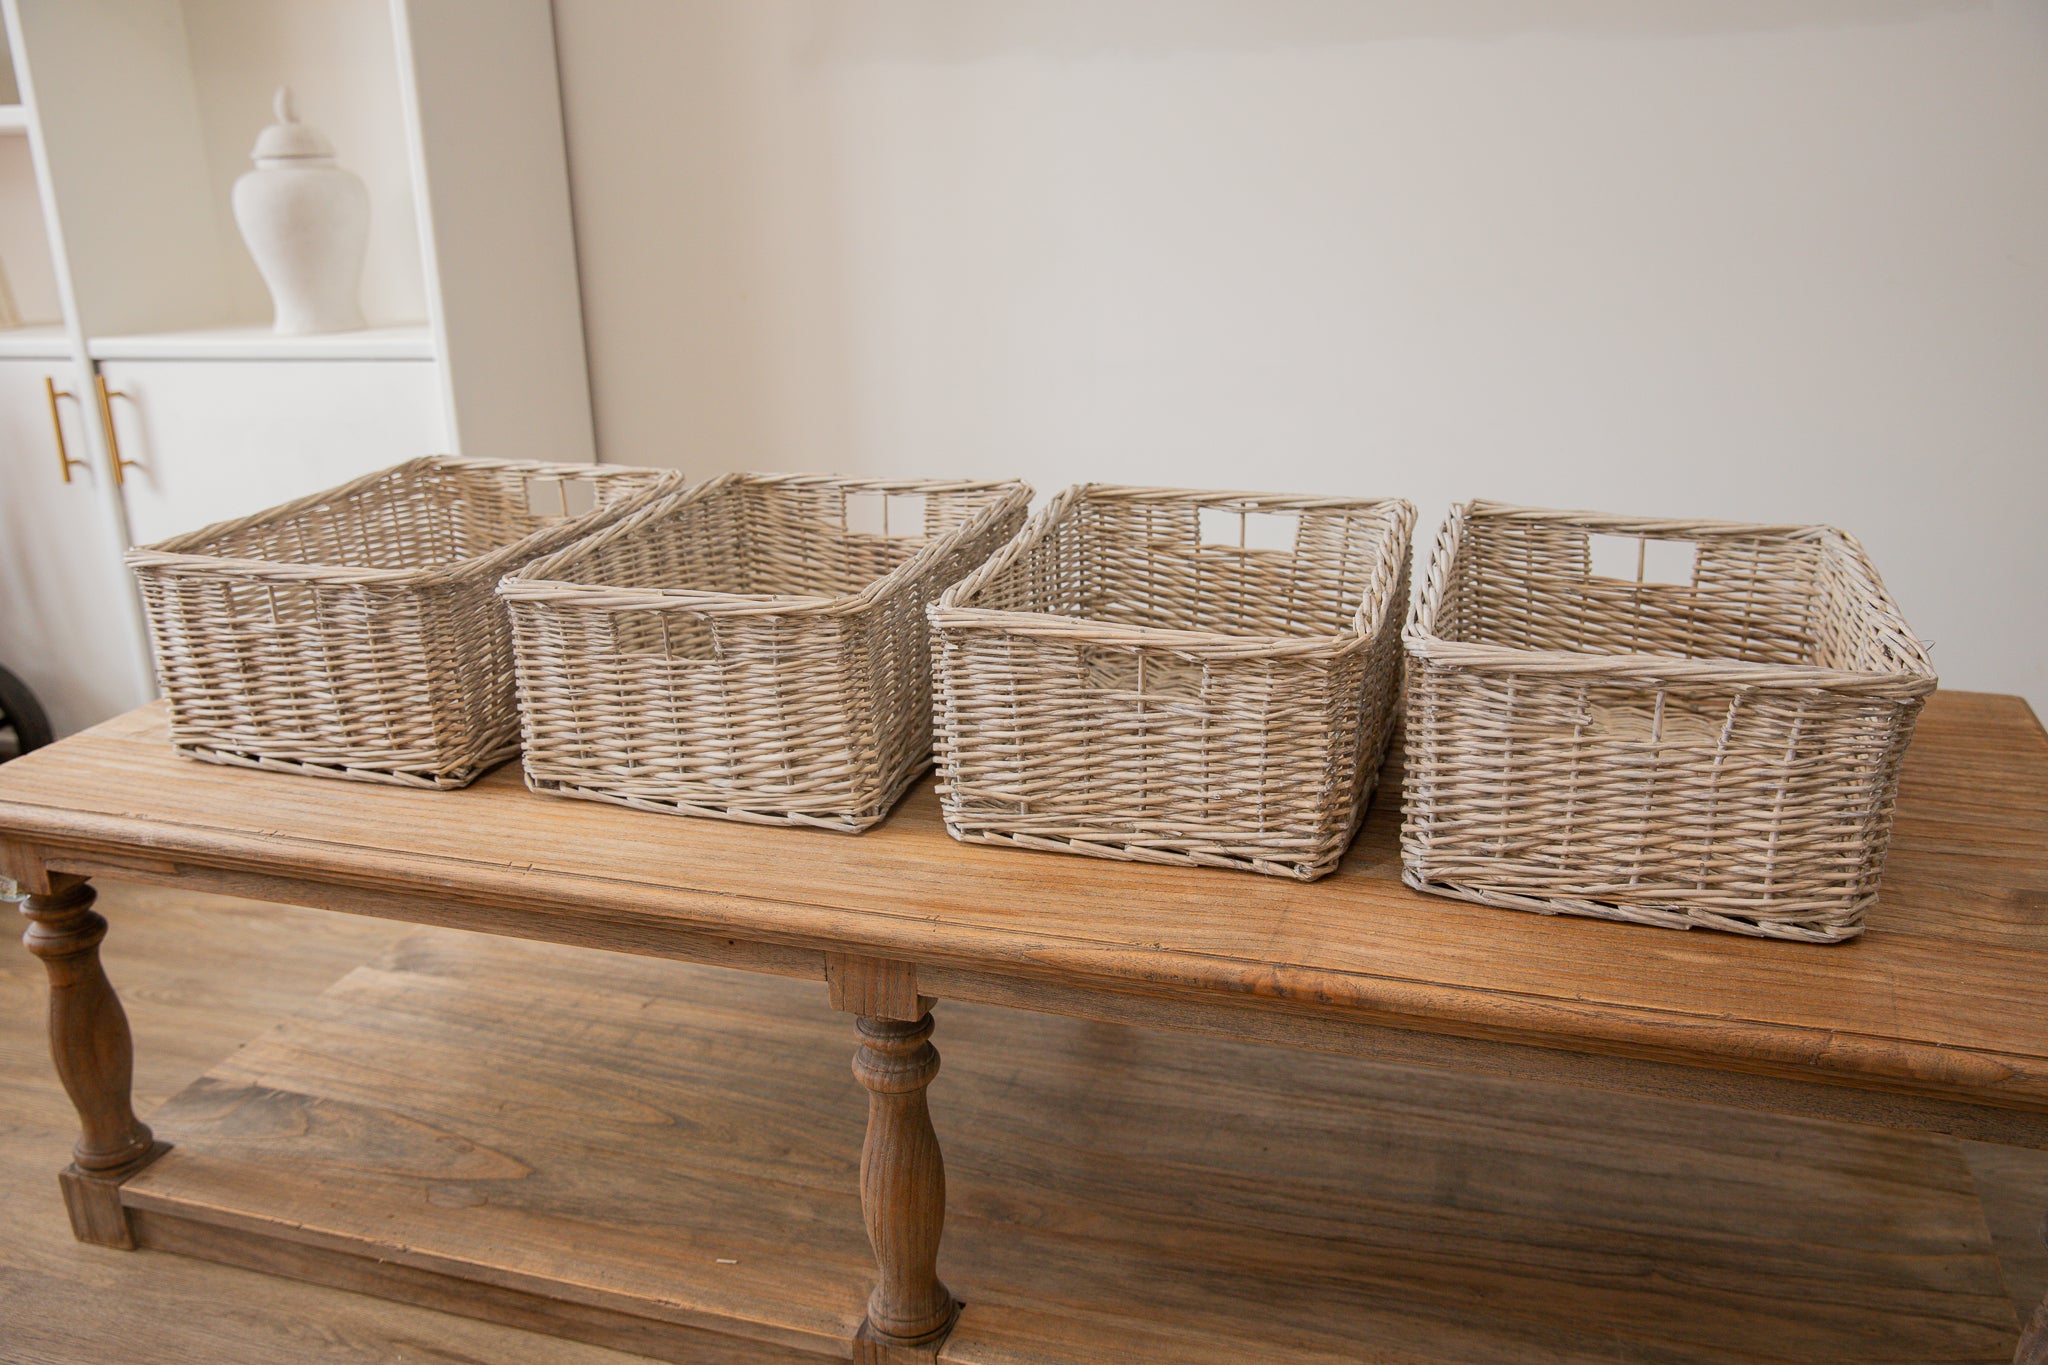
column 288, row 139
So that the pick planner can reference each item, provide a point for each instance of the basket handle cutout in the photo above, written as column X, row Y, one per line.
column 251, row 605
column 1642, row 559
column 559, row 498
column 1132, row 675
column 683, row 637
column 895, row 515
column 1244, row 528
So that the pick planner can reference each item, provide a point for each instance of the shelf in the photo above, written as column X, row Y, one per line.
column 13, row 118
column 37, row 341
column 258, row 342
column 664, row 1158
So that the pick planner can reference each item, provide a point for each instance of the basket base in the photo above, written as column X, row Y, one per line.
column 1832, row 930
column 448, row 780
column 1137, row 851
column 837, row 822
column 1131, row 844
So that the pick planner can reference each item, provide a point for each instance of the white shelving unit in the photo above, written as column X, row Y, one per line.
column 35, row 341
column 123, row 125
column 409, row 341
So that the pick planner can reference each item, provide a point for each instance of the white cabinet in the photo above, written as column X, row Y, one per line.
column 67, row 623
column 123, row 125
column 204, row 440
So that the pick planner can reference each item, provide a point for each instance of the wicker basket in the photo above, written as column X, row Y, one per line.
column 1719, row 750
column 739, row 650
column 353, row 633
column 1132, row 679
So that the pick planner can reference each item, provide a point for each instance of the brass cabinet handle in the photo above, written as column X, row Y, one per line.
column 65, row 464
column 107, row 397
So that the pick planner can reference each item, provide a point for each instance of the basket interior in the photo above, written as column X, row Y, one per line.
column 1179, row 563
column 781, row 538
column 1804, row 598
column 421, row 515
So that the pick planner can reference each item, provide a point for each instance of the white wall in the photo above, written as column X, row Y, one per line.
column 1779, row 260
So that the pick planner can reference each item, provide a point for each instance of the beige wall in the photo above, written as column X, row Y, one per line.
column 1764, row 259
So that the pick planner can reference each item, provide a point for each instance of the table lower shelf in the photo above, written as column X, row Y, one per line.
column 663, row 1158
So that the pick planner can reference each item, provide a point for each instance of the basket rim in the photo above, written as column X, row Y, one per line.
column 535, row 582
column 954, row 609
column 175, row 553
column 1913, row 677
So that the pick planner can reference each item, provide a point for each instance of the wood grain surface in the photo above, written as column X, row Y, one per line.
column 1943, row 999
column 199, row 976
column 681, row 1145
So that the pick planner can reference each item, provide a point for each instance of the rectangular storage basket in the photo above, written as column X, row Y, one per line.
column 743, row 650
column 353, row 633
column 1719, row 750
column 1134, row 678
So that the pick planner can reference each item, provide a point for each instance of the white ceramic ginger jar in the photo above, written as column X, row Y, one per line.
column 306, row 221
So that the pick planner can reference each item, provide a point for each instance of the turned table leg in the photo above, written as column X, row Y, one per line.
column 2034, row 1341
column 89, row 1042
column 902, row 1174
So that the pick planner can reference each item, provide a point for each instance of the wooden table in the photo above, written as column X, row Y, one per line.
column 1935, row 1020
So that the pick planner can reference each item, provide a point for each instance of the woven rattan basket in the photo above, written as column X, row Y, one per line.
column 1720, row 749
column 353, row 633
column 1139, row 677
column 750, row 649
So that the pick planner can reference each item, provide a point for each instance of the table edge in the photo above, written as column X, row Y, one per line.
column 618, row 914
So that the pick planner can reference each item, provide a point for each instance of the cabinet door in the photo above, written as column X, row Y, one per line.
column 212, row 439
column 69, row 626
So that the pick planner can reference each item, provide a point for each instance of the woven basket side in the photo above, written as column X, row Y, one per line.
column 687, row 709
column 256, row 669
column 1753, row 799
column 1052, row 741
column 1207, row 746
column 756, row 536
column 422, row 514
column 467, row 644
column 700, row 538
column 1385, row 670
column 801, row 545
column 426, row 514
column 1146, row 563
column 1530, row 585
column 1855, row 624
column 487, row 508
column 1762, row 810
column 399, row 520
column 401, row 673
column 508, row 513
column 896, row 642
column 640, row 685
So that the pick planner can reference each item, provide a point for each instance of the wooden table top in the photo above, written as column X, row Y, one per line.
column 1945, row 995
